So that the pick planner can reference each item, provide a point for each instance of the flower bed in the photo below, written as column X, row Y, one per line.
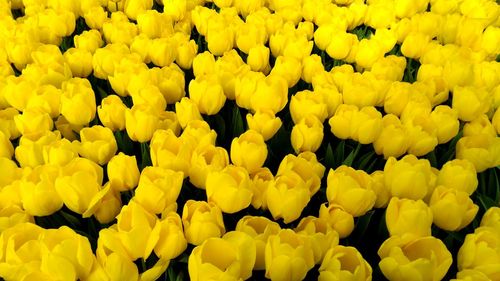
column 249, row 139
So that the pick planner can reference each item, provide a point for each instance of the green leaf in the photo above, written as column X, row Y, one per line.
column 363, row 223
column 365, row 159
column 329, row 159
column 350, row 158
column 238, row 125
column 431, row 156
column 73, row 221
column 145, row 156
column 339, row 154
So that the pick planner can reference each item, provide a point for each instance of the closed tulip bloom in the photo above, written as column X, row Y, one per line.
column 344, row 263
column 137, row 230
column 250, row 35
column 133, row 8
column 260, row 182
column 368, row 52
column 452, row 209
column 311, row 65
column 306, row 103
column 219, row 38
column 307, row 166
column 480, row 252
column 151, row 97
column 80, row 177
column 409, row 177
column 162, row 51
column 229, row 189
column 89, row 40
column 141, row 122
column 447, row 118
column 171, row 152
column 80, row 62
column 258, row 58
column 321, row 235
column 176, row 9
column 203, row 64
column 6, row 147
column 116, row 266
column 33, row 123
column 7, row 123
column 199, row 133
column 97, row 144
column 231, row 257
column 245, row 87
column 481, row 150
column 407, row 258
column 202, row 220
column 405, row 216
column 307, row 135
column 29, row 153
column 289, row 68
column 340, row 45
column 207, row 94
column 38, row 191
column 287, row 197
column 123, row 171
column 158, row 188
column 105, row 205
column 259, row 228
column 172, row 241
column 458, row 174
column 111, row 113
column 340, row 122
column 491, row 218
column 364, row 90
column 152, row 23
column 350, row 189
column 393, row 140
column 366, row 125
column 471, row 274
column 95, row 17
column 249, row 141
column 186, row 53
column 469, row 102
column 414, row 45
column 187, row 111
column 271, row 93
column 264, row 122
column 78, row 103
column 205, row 160
column 479, row 126
column 289, row 256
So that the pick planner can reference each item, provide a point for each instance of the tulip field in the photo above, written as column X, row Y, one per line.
column 347, row 140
